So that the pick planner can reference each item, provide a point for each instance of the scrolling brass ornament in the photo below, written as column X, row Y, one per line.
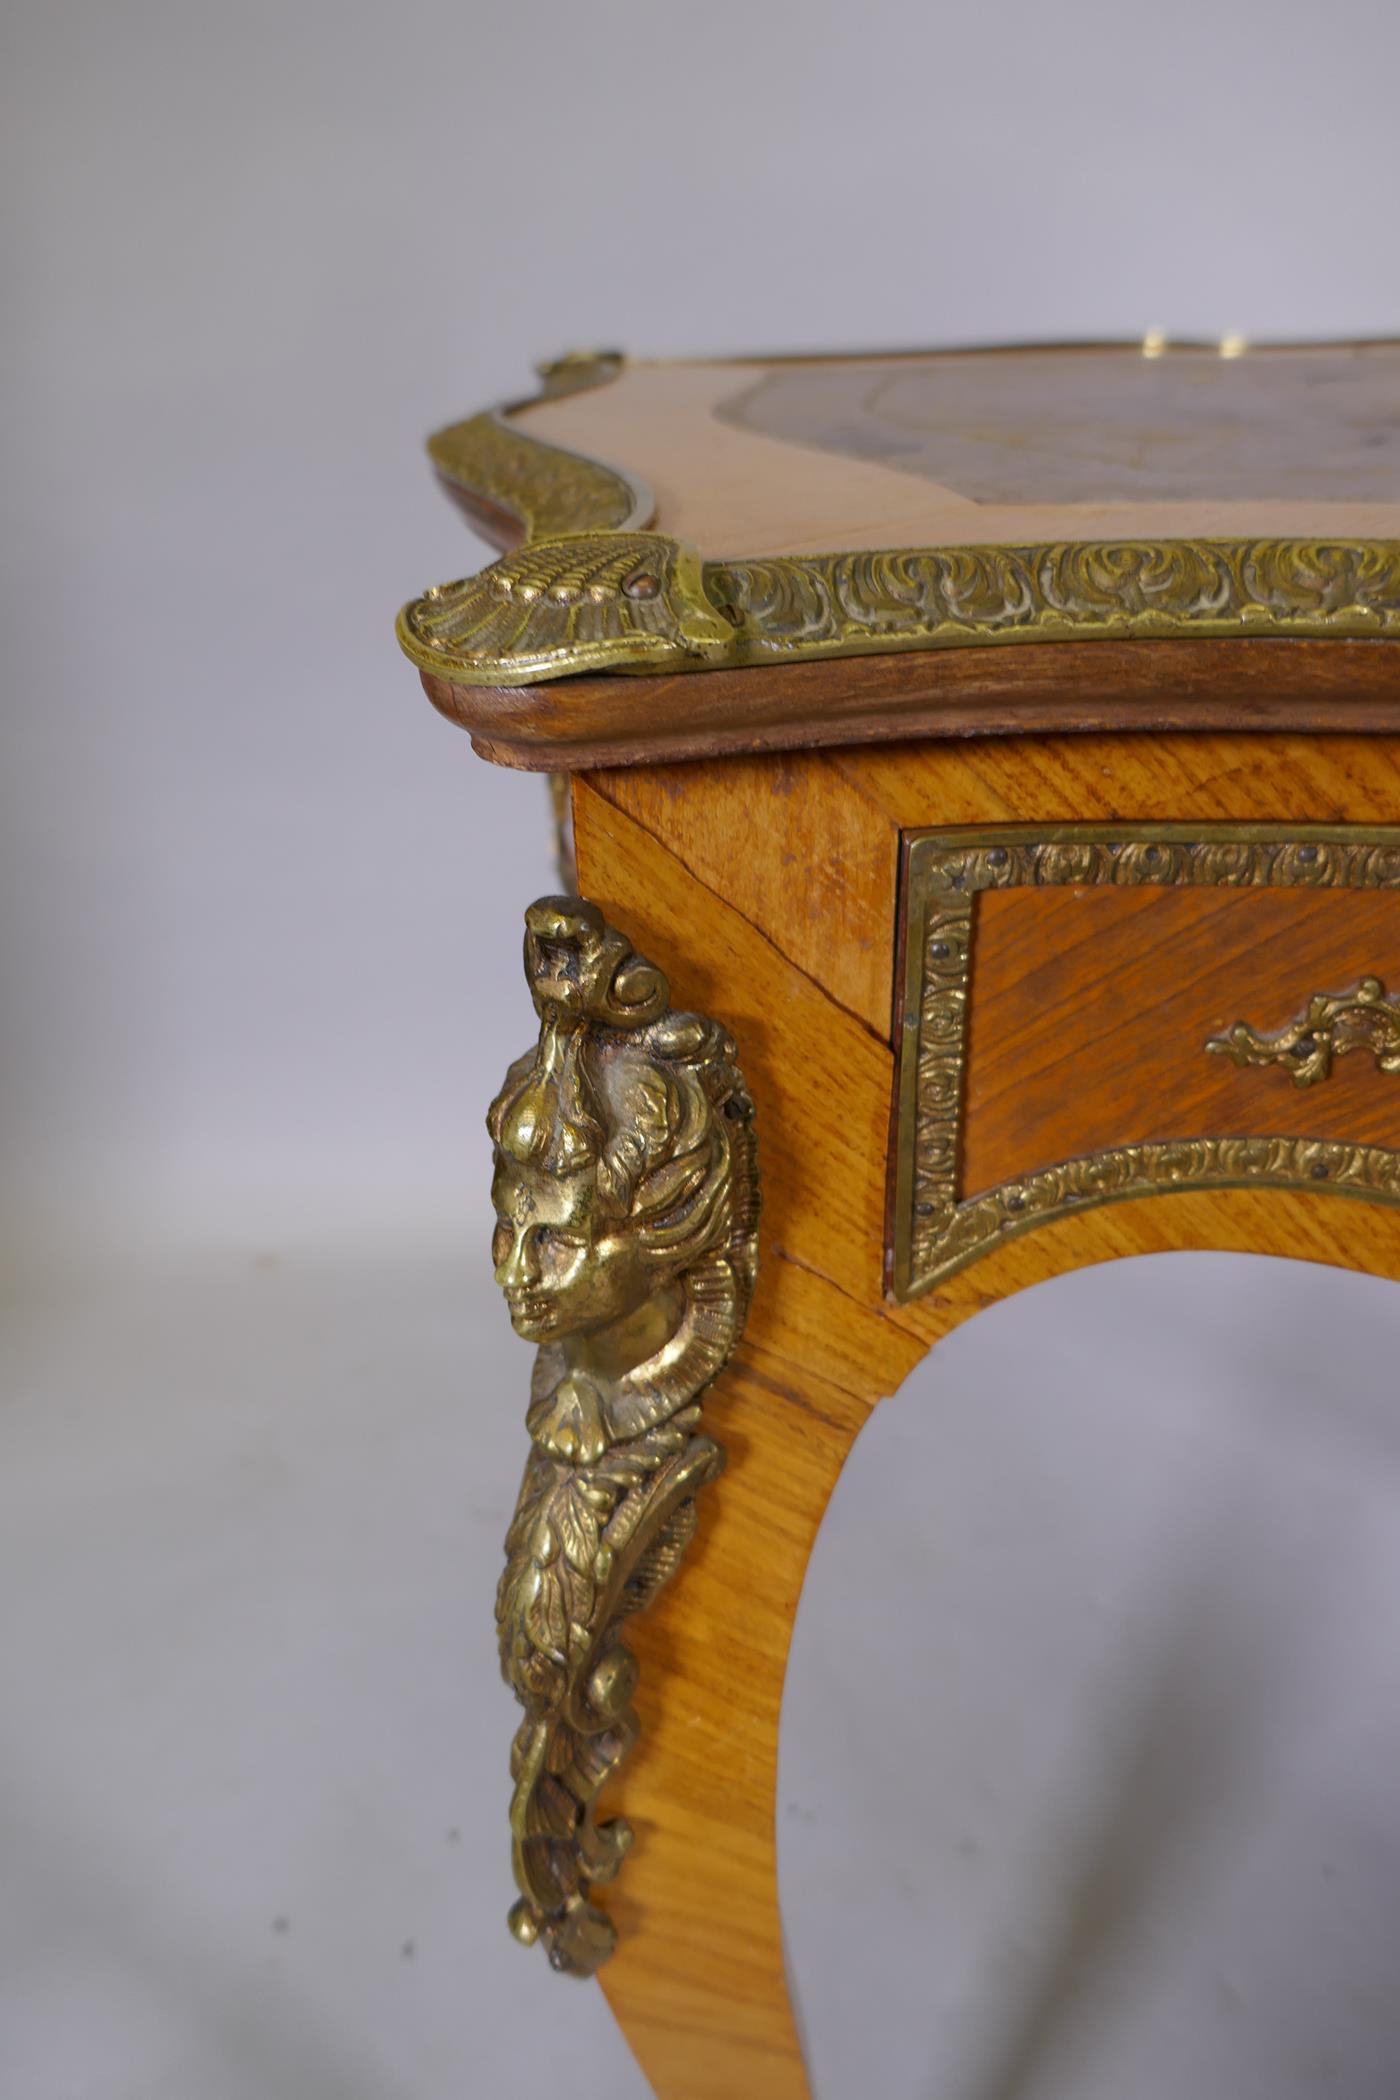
column 626, row 1243
column 1331, row 1024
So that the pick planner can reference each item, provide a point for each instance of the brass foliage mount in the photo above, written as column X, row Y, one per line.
column 489, row 461
column 562, row 604
column 626, row 1197
column 568, row 597
column 934, row 1232
column 1367, row 1018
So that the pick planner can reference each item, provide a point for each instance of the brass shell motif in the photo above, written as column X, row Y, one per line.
column 1367, row 1018
column 600, row 602
column 935, row 1229
column 560, row 605
column 626, row 1243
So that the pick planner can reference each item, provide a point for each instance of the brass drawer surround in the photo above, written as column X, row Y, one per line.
column 933, row 1230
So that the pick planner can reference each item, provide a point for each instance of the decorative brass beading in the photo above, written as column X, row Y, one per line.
column 626, row 1243
column 935, row 1229
column 1332, row 1024
column 590, row 590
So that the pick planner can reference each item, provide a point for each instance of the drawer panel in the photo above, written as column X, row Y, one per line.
column 1090, row 1010
column 1060, row 992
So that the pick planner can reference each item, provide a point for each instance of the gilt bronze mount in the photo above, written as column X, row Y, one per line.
column 626, row 1244
column 591, row 588
column 1366, row 1018
column 936, row 1227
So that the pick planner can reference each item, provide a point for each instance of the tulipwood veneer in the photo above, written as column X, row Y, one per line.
column 1016, row 607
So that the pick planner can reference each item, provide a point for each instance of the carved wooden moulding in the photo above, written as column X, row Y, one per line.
column 1063, row 987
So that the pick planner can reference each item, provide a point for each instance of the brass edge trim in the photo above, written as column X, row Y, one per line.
column 738, row 613
column 547, row 489
column 794, row 609
column 933, row 1232
column 1161, row 343
column 493, row 464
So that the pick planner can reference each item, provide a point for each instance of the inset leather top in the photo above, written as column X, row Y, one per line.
column 802, row 551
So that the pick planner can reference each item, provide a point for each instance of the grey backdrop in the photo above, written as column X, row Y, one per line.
column 260, row 950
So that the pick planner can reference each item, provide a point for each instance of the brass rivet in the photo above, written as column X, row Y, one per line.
column 642, row 585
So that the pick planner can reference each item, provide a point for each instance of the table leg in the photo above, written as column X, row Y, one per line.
column 698, row 1981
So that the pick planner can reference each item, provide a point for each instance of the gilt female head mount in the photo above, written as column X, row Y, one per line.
column 626, row 1198
column 616, row 1139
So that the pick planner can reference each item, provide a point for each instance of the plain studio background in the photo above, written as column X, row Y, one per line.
column 1094, row 1705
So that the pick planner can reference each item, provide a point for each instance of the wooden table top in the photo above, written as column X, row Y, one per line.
column 859, row 548
column 816, row 454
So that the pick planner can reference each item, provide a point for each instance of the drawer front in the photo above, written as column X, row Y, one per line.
column 1091, row 1014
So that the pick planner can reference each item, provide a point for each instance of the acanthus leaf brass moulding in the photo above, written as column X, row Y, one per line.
column 590, row 589
column 626, row 1244
column 935, row 1229
column 1366, row 1018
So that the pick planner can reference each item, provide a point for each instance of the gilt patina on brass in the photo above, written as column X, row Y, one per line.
column 492, row 464
column 1366, row 1018
column 935, row 1228
column 591, row 589
column 626, row 1242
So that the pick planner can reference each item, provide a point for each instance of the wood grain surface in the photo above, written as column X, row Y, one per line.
column 788, row 456
column 575, row 724
column 713, row 871
column 1091, row 1009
